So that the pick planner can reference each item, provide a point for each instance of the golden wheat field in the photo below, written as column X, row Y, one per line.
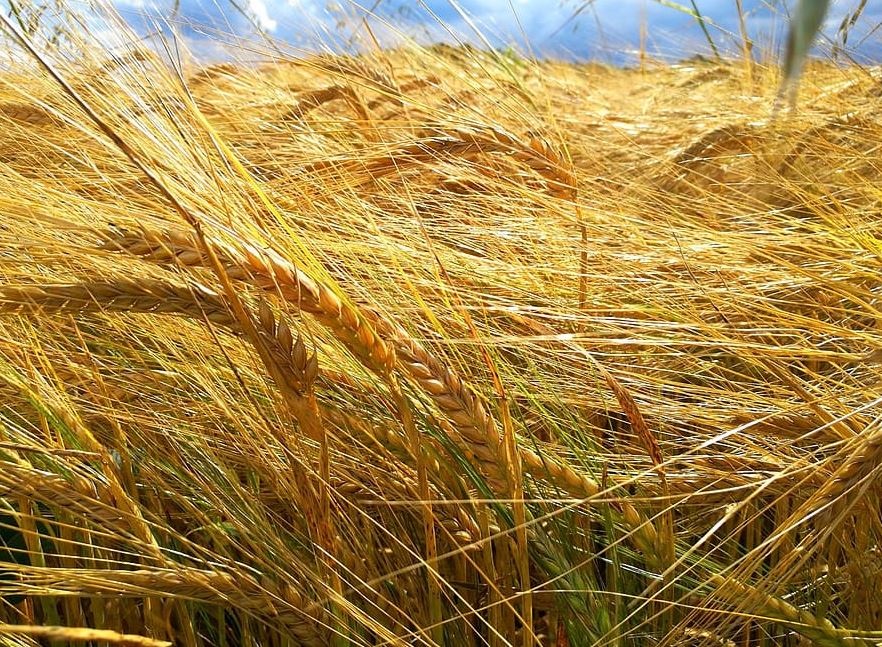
column 438, row 346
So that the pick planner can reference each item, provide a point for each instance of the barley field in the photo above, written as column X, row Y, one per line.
column 438, row 346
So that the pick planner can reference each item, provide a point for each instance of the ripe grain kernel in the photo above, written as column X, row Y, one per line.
column 329, row 302
column 365, row 337
column 350, row 317
column 435, row 387
column 419, row 371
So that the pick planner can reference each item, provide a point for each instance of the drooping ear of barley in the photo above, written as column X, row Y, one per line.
column 310, row 100
column 80, row 634
column 120, row 295
column 269, row 272
column 465, row 143
column 459, row 403
column 300, row 370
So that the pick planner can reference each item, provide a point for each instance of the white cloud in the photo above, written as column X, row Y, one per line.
column 258, row 8
column 311, row 23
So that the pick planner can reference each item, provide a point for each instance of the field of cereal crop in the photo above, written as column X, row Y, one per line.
column 438, row 346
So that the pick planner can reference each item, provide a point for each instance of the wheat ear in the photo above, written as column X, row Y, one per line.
column 266, row 270
column 358, row 327
column 121, row 295
column 535, row 153
column 860, row 464
column 819, row 630
column 308, row 101
column 161, row 297
column 279, row 605
column 71, row 635
column 32, row 115
column 449, row 392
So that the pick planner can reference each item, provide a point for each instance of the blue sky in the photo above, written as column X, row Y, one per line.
column 604, row 29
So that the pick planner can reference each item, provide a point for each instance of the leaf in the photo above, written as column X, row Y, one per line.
column 804, row 26
column 681, row 8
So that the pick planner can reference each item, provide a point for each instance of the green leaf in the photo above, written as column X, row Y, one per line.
column 804, row 26
column 679, row 7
